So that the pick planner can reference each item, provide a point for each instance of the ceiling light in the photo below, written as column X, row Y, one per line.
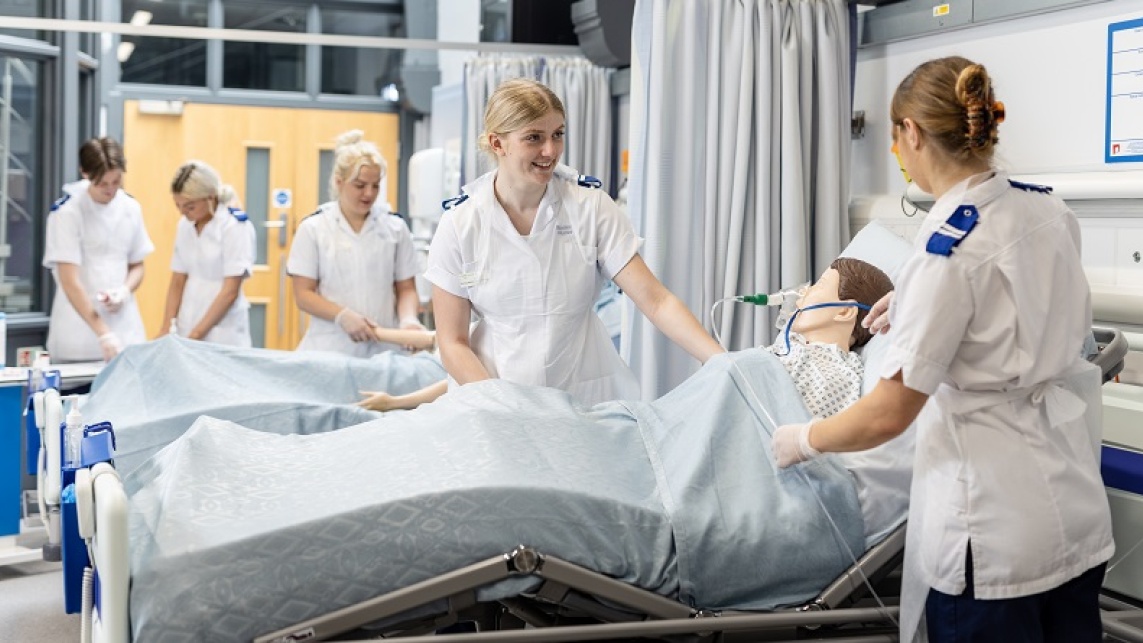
column 141, row 18
column 125, row 50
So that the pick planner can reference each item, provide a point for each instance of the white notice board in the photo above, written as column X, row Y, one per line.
column 1124, row 141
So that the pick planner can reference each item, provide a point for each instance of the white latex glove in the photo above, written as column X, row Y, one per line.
column 357, row 327
column 877, row 319
column 110, row 345
column 113, row 298
column 411, row 323
column 791, row 444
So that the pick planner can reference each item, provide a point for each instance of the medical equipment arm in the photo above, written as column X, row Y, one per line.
column 227, row 295
column 452, row 315
column 666, row 311
column 79, row 299
column 873, row 420
column 174, row 301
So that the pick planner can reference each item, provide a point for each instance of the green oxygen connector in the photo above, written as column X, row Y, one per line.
column 760, row 299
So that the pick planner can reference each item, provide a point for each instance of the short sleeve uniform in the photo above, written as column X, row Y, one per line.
column 534, row 295
column 224, row 248
column 357, row 270
column 103, row 240
column 1006, row 458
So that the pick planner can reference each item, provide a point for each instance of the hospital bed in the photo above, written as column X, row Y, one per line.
column 540, row 587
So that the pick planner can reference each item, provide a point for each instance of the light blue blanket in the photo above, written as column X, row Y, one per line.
column 237, row 532
column 153, row 392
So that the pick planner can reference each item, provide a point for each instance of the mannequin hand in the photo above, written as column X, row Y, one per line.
column 877, row 319
column 791, row 444
column 114, row 298
column 354, row 325
column 110, row 345
column 378, row 401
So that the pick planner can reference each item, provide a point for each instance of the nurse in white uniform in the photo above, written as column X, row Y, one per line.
column 1009, row 529
column 214, row 253
column 95, row 246
column 352, row 263
column 527, row 253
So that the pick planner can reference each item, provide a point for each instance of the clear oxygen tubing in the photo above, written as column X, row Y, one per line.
column 774, row 426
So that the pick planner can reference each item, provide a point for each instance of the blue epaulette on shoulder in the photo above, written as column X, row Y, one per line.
column 449, row 204
column 953, row 230
column 1031, row 187
column 314, row 213
column 60, row 201
column 584, row 180
column 238, row 214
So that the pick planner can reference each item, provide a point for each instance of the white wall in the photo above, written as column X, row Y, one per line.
column 1050, row 71
column 457, row 21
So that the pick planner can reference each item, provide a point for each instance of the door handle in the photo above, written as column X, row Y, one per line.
column 280, row 224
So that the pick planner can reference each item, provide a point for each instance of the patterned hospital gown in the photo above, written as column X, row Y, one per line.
column 828, row 378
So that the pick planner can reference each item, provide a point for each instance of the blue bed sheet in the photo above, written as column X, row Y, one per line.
column 237, row 532
column 153, row 392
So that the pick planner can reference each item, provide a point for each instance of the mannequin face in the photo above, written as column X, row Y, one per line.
column 530, row 153
column 824, row 290
column 358, row 193
column 103, row 190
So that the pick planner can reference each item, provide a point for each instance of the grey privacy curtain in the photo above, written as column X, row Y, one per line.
column 739, row 149
column 584, row 89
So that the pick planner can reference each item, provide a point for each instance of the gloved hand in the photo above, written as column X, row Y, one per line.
column 877, row 319
column 411, row 323
column 113, row 298
column 791, row 444
column 356, row 326
column 110, row 345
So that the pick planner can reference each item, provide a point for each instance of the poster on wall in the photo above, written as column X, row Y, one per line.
column 1124, row 140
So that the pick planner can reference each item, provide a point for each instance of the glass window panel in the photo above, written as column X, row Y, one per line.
column 164, row 61
column 87, row 40
column 361, row 71
column 325, row 169
column 258, row 325
column 258, row 196
column 23, row 9
column 21, row 210
column 259, row 65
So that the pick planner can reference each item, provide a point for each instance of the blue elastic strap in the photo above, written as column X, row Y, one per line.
column 953, row 230
column 449, row 204
column 238, row 214
column 832, row 304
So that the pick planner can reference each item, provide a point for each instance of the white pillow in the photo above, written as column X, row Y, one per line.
column 877, row 245
column 883, row 473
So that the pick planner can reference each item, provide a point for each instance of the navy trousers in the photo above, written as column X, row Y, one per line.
column 1067, row 614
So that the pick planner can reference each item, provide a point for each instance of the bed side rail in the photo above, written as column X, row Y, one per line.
column 872, row 566
column 1112, row 351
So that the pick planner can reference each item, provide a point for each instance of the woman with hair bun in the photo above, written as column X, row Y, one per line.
column 95, row 245
column 1009, row 528
column 214, row 253
column 351, row 263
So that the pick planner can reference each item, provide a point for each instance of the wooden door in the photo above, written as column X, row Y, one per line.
column 274, row 158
